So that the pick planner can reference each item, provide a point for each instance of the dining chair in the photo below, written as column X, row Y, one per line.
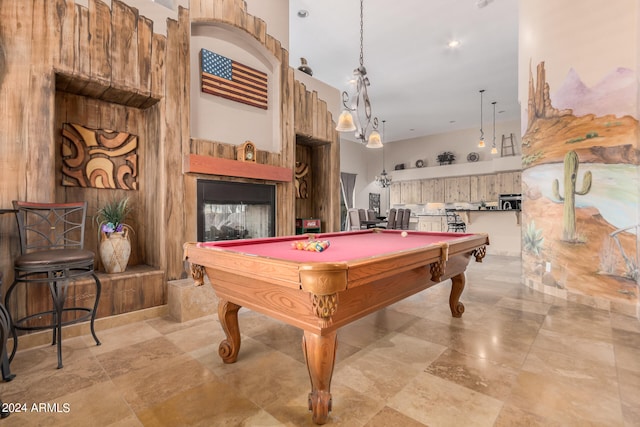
column 354, row 219
column 52, row 254
column 363, row 215
column 399, row 218
column 391, row 219
column 405, row 219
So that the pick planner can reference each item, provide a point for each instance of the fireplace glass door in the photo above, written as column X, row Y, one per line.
column 232, row 210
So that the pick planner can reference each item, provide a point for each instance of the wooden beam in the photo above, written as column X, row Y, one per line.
column 196, row 163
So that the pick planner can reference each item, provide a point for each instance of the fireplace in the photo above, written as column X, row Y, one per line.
column 235, row 210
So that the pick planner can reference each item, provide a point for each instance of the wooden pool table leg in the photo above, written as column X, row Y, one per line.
column 228, row 316
column 320, row 354
column 457, row 286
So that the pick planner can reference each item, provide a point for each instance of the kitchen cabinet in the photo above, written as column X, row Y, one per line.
column 411, row 192
column 433, row 190
column 395, row 193
column 509, row 182
column 460, row 189
column 483, row 188
column 457, row 189
column 431, row 223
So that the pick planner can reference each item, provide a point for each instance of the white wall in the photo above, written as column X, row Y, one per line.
column 367, row 163
column 460, row 143
column 275, row 13
column 218, row 119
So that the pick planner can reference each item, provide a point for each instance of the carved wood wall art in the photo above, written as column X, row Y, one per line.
column 301, row 171
column 99, row 158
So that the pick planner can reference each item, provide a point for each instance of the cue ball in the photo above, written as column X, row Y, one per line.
column 404, row 234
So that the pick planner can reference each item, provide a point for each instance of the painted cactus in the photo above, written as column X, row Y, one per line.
column 571, row 163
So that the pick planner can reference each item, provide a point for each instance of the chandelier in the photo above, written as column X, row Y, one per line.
column 383, row 180
column 481, row 142
column 494, row 149
column 356, row 115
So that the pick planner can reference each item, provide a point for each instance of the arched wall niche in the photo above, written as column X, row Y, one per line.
column 301, row 112
column 218, row 119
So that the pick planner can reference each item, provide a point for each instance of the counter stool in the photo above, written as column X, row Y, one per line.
column 454, row 222
column 52, row 241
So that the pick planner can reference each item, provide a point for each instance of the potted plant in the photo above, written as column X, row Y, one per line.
column 115, row 247
column 446, row 158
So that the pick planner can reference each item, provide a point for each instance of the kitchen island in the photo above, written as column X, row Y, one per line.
column 503, row 225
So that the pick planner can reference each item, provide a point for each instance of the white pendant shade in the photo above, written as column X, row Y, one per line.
column 374, row 140
column 345, row 122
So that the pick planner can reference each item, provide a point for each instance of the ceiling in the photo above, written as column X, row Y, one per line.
column 419, row 85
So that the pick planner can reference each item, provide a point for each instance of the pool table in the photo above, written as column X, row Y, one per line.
column 359, row 273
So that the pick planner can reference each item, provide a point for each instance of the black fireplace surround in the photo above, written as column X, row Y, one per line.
column 235, row 210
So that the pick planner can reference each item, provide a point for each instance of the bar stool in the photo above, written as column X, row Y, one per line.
column 454, row 222
column 52, row 244
column 5, row 329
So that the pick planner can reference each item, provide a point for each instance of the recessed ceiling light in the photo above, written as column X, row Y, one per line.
column 303, row 13
column 452, row 121
column 454, row 43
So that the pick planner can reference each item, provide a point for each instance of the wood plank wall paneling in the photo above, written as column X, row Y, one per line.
column 97, row 114
column 305, row 207
column 176, row 142
column 99, row 45
column 103, row 65
column 151, row 185
column 124, row 44
column 309, row 115
column 61, row 43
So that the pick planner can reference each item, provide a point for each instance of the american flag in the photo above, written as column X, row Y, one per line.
column 226, row 78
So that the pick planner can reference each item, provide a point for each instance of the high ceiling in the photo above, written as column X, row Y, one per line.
column 419, row 85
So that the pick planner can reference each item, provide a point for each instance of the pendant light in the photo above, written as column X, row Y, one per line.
column 481, row 142
column 358, row 105
column 383, row 180
column 494, row 150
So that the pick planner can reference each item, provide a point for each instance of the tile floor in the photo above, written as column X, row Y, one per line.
column 516, row 357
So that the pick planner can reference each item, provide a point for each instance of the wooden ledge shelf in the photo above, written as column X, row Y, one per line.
column 197, row 163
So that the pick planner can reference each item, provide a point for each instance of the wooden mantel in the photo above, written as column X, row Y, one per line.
column 197, row 163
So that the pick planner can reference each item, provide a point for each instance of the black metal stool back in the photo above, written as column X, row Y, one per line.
column 454, row 222
column 52, row 243
column 5, row 329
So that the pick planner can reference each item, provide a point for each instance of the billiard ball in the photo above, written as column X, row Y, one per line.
column 404, row 234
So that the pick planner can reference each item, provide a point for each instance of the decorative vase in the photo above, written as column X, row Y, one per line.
column 115, row 249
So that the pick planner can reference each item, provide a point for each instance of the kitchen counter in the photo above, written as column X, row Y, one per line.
column 468, row 214
column 504, row 232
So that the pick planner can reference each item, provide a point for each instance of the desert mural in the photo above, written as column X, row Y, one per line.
column 580, row 188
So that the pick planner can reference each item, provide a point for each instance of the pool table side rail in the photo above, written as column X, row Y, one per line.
column 325, row 278
column 280, row 272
